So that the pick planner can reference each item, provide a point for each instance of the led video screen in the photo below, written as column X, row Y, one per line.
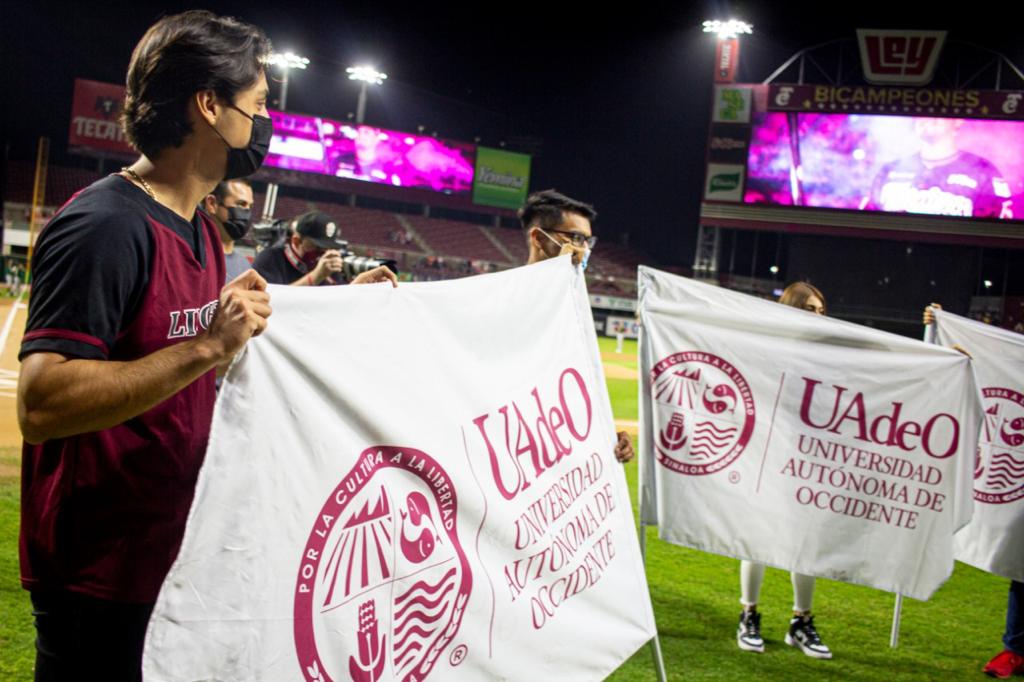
column 319, row 145
column 930, row 166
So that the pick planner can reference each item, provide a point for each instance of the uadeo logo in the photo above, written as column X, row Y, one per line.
column 383, row 581
column 999, row 468
column 704, row 412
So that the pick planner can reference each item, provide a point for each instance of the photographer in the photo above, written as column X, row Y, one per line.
column 311, row 256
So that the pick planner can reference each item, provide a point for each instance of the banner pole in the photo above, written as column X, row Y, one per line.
column 894, row 637
column 897, row 609
column 659, row 662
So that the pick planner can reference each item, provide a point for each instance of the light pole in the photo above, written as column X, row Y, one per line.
column 286, row 61
column 727, row 29
column 727, row 53
column 366, row 75
column 727, row 47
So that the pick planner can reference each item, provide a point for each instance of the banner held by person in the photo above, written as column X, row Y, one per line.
column 994, row 539
column 411, row 484
column 807, row 443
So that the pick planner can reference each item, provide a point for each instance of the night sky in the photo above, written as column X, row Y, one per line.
column 614, row 103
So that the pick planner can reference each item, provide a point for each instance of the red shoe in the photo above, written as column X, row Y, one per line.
column 1005, row 664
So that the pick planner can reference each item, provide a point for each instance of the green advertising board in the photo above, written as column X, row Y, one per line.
column 502, row 179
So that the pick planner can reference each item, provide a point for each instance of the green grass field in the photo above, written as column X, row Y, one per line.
column 17, row 652
column 695, row 597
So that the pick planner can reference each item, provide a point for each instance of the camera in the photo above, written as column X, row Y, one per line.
column 356, row 265
column 268, row 232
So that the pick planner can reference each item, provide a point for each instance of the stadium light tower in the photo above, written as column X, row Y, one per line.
column 727, row 29
column 727, row 58
column 286, row 61
column 366, row 75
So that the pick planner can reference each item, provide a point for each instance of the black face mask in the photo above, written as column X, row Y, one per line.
column 246, row 161
column 238, row 222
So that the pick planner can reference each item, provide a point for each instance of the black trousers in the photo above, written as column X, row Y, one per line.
column 81, row 638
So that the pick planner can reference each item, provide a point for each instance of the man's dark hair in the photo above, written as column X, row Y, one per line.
column 545, row 209
column 221, row 191
column 179, row 56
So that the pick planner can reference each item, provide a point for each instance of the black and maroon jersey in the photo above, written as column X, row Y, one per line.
column 966, row 185
column 117, row 276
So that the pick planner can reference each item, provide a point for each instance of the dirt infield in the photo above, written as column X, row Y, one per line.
column 12, row 326
column 630, row 425
column 617, row 372
column 618, row 357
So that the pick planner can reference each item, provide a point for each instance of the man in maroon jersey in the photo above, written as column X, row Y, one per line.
column 127, row 323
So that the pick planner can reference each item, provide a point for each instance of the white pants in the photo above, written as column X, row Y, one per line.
column 752, row 576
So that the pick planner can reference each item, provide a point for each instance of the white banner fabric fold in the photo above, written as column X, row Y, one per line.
column 994, row 539
column 812, row 444
column 408, row 484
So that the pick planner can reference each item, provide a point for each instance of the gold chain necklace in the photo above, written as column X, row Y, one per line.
column 138, row 178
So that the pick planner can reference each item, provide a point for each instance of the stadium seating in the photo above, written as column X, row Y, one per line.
column 458, row 248
column 514, row 242
column 454, row 238
column 287, row 206
column 367, row 227
column 61, row 182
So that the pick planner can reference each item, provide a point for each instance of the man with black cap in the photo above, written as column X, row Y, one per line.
column 311, row 256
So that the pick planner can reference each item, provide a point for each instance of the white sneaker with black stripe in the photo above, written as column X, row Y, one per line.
column 748, row 635
column 804, row 637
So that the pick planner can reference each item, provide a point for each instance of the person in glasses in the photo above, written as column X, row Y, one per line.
column 557, row 225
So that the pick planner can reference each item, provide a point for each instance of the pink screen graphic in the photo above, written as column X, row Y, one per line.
column 320, row 145
column 932, row 166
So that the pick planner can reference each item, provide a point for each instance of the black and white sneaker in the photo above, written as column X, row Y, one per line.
column 748, row 635
column 804, row 637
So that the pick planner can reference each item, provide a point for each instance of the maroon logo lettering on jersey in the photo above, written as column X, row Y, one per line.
column 190, row 321
column 383, row 580
column 999, row 469
column 899, row 57
column 703, row 412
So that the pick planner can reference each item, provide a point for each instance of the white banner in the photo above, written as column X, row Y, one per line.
column 811, row 444
column 994, row 540
column 408, row 484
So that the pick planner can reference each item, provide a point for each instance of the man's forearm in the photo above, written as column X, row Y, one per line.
column 60, row 397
